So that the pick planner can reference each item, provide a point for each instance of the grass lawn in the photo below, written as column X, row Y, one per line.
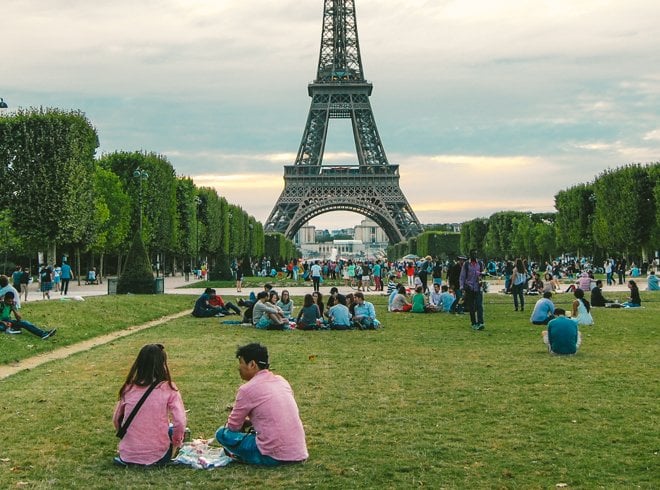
column 81, row 320
column 423, row 402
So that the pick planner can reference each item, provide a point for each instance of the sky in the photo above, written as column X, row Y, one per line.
column 485, row 105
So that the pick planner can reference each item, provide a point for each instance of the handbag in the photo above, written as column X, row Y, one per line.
column 121, row 432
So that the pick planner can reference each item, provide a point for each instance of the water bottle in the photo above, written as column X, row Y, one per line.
column 187, row 435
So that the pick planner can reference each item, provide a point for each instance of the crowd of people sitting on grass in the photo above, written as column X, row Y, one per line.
column 267, row 310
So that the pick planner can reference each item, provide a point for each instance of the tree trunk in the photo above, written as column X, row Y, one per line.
column 78, row 264
column 100, row 276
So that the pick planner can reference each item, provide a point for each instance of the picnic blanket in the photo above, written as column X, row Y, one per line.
column 199, row 455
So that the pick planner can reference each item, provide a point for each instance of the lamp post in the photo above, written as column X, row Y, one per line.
column 198, row 202
column 140, row 175
column 249, row 254
column 3, row 104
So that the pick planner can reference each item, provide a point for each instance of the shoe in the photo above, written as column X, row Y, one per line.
column 117, row 461
column 475, row 326
column 219, row 314
column 481, row 326
column 11, row 331
column 49, row 334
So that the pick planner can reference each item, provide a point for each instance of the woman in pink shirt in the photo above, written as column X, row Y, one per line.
column 149, row 440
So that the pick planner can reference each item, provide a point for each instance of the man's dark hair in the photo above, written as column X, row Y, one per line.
column 268, row 287
column 262, row 294
column 10, row 294
column 560, row 311
column 254, row 352
column 547, row 294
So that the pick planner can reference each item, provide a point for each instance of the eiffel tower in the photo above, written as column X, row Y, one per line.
column 371, row 187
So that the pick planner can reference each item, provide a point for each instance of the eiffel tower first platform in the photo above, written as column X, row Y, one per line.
column 371, row 187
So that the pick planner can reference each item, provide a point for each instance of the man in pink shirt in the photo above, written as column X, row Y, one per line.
column 264, row 406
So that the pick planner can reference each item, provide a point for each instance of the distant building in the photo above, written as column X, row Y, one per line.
column 370, row 241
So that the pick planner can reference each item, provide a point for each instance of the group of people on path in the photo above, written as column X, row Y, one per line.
column 263, row 427
column 50, row 278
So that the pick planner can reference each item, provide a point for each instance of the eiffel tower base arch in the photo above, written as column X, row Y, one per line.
column 372, row 192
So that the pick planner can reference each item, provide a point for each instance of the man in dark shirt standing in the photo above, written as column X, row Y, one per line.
column 470, row 282
column 453, row 278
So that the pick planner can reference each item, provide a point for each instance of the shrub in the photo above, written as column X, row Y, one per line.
column 137, row 277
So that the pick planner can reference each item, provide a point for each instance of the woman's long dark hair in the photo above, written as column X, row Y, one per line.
column 579, row 294
column 149, row 367
column 520, row 267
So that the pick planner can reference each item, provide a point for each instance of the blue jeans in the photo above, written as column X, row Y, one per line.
column 33, row 329
column 517, row 290
column 456, row 307
column 243, row 447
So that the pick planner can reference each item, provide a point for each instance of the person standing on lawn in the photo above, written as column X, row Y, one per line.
column 264, row 426
column 315, row 271
column 470, row 282
column 454, row 280
column 66, row 276
column 16, row 326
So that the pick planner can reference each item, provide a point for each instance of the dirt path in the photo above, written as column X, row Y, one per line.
column 64, row 352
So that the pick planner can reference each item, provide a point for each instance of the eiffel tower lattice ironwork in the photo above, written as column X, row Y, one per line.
column 371, row 187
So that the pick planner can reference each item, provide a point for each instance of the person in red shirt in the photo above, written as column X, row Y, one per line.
column 227, row 308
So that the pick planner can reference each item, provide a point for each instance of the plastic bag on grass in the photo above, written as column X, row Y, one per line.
column 199, row 455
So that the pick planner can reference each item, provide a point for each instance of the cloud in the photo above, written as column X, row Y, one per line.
column 483, row 104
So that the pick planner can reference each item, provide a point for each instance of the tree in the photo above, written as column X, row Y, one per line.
column 625, row 209
column 137, row 277
column 473, row 234
column 499, row 238
column 112, row 214
column 575, row 212
column 186, row 208
column 158, row 191
column 49, row 154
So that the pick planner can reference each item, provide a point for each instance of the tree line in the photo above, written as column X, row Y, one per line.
column 616, row 215
column 58, row 198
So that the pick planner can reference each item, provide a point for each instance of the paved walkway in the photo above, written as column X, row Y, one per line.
column 175, row 285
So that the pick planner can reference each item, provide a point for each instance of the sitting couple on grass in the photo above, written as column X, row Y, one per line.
column 211, row 304
column 544, row 309
column 263, row 428
column 399, row 301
